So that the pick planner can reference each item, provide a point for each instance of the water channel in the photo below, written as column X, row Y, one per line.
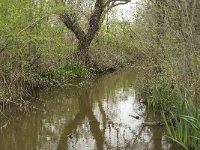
column 95, row 115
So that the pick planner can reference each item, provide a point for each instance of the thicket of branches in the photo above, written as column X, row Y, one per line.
column 40, row 42
column 168, row 34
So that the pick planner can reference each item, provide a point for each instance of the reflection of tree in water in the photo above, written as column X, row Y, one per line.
column 86, row 111
column 85, row 107
column 106, row 133
column 92, row 116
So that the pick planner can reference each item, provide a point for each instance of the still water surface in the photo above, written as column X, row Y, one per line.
column 93, row 115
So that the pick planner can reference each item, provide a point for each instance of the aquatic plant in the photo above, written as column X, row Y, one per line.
column 180, row 113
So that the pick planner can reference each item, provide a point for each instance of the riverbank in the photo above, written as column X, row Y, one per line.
column 20, row 92
column 179, row 109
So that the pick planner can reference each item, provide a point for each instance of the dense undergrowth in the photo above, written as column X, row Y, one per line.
column 168, row 34
column 21, row 85
column 180, row 112
column 38, row 51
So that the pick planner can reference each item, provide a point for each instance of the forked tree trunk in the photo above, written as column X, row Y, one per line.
column 95, row 22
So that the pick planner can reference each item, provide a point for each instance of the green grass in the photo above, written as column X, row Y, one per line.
column 186, row 114
column 62, row 74
column 75, row 70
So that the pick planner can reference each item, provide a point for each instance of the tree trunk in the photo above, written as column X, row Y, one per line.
column 84, row 39
column 83, row 52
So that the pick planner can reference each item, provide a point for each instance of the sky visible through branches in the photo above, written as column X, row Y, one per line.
column 128, row 11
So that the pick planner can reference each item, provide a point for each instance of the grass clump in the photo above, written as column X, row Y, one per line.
column 180, row 112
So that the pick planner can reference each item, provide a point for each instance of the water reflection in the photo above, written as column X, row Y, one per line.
column 95, row 116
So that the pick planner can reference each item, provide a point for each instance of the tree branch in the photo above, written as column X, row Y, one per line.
column 114, row 3
column 94, row 23
column 72, row 25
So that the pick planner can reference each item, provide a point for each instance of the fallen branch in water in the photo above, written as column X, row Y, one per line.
column 136, row 117
column 160, row 123
column 153, row 123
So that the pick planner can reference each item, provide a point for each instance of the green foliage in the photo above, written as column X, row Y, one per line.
column 36, row 48
column 114, row 45
column 56, row 75
column 168, row 39
column 186, row 131
column 71, row 8
column 185, row 127
column 74, row 70
column 31, row 44
column 159, row 95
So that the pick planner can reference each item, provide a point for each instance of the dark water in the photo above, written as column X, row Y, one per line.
column 93, row 115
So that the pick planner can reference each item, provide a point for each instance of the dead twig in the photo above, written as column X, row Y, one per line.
column 136, row 117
